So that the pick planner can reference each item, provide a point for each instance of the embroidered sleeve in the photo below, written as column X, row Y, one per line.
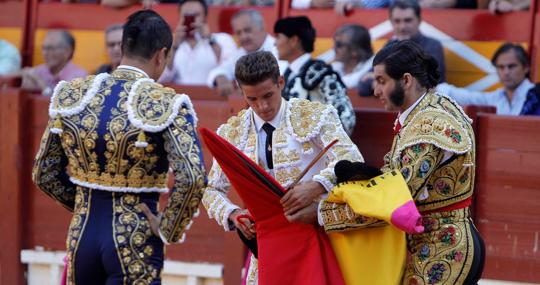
column 345, row 149
column 215, row 199
column 49, row 170
column 335, row 94
column 417, row 163
column 340, row 217
column 185, row 158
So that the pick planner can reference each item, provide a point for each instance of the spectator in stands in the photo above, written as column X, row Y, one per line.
column 405, row 16
column 196, row 51
column 305, row 77
column 58, row 48
column 248, row 26
column 10, row 59
column 512, row 64
column 352, row 46
column 113, row 43
column 505, row 6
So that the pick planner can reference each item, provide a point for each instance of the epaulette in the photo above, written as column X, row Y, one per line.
column 236, row 129
column 152, row 107
column 305, row 118
column 313, row 73
column 70, row 98
column 437, row 127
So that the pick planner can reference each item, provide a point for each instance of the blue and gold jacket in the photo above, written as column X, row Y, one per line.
column 122, row 132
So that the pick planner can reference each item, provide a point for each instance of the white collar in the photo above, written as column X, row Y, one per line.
column 132, row 68
column 275, row 121
column 522, row 88
column 297, row 64
column 403, row 116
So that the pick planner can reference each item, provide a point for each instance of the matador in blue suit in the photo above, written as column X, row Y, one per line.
column 106, row 154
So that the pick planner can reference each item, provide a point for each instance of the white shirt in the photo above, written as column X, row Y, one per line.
column 261, row 134
column 496, row 98
column 297, row 64
column 132, row 68
column 192, row 65
column 352, row 79
column 226, row 68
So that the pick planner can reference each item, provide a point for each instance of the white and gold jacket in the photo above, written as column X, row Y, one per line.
column 304, row 130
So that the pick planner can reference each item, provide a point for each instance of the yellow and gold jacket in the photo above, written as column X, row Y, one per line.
column 122, row 143
column 435, row 152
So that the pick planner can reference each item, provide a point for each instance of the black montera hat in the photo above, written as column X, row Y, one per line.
column 293, row 26
column 297, row 26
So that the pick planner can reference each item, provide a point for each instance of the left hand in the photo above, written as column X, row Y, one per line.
column 301, row 196
column 153, row 220
column 307, row 215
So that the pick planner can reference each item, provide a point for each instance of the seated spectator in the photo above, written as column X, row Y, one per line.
column 196, row 51
column 57, row 48
column 352, row 46
column 248, row 26
column 113, row 43
column 506, row 6
column 10, row 59
column 307, row 78
column 405, row 17
column 512, row 64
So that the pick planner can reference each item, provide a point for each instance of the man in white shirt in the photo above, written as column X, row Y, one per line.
column 306, row 78
column 196, row 51
column 282, row 137
column 248, row 26
column 512, row 64
column 353, row 53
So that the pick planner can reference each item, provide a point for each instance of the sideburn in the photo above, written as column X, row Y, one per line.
column 397, row 97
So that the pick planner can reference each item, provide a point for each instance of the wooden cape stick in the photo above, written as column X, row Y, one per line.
column 310, row 165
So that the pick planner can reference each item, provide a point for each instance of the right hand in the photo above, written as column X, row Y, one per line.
column 179, row 34
column 224, row 86
column 342, row 8
column 244, row 225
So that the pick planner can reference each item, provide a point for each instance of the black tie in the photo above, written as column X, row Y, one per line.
column 269, row 129
column 287, row 74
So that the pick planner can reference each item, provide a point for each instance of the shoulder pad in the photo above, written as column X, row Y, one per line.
column 305, row 118
column 70, row 98
column 236, row 128
column 313, row 73
column 152, row 107
column 437, row 127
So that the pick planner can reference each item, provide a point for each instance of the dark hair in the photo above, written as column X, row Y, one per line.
column 256, row 67
column 360, row 39
column 202, row 2
column 408, row 57
column 520, row 52
column 300, row 27
column 145, row 33
column 406, row 4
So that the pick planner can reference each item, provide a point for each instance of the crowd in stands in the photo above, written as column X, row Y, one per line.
column 203, row 57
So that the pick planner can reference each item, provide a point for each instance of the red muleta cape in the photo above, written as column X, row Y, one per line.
column 289, row 253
